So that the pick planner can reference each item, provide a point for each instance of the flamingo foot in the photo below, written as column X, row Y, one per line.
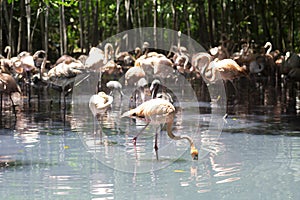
column 156, row 149
column 134, row 141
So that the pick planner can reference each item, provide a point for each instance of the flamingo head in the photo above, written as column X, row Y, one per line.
column 194, row 153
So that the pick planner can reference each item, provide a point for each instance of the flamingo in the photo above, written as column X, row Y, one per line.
column 98, row 104
column 64, row 74
column 6, row 63
column 8, row 51
column 41, row 65
column 228, row 69
column 8, row 86
column 98, row 58
column 27, row 63
column 212, row 71
column 159, row 91
column 155, row 64
column 123, row 58
column 142, row 92
column 159, row 111
column 268, row 45
column 115, row 85
column 133, row 75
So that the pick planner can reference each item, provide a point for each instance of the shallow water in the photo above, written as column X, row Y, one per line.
column 45, row 155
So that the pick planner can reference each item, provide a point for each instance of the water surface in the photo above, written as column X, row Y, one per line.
column 45, row 155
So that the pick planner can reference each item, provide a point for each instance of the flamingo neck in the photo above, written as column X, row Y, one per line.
column 178, row 42
column 107, row 49
column 138, row 53
column 185, row 62
column 43, row 66
column 8, row 51
column 181, row 137
column 269, row 49
column 205, row 68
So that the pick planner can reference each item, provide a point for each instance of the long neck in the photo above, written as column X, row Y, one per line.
column 43, row 66
column 205, row 68
column 138, row 52
column 213, row 73
column 269, row 49
column 178, row 42
column 181, row 137
column 107, row 49
column 8, row 51
column 186, row 61
column 117, row 51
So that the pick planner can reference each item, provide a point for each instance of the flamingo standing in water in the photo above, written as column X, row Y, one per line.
column 64, row 74
column 212, row 71
column 8, row 86
column 98, row 104
column 159, row 111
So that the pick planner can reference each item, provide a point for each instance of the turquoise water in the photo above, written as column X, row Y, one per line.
column 45, row 155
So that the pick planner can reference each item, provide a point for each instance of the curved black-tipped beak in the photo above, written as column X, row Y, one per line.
column 195, row 157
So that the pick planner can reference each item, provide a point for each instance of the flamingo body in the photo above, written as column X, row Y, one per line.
column 160, row 111
column 99, row 103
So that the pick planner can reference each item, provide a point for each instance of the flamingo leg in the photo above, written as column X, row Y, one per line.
column 13, row 105
column 155, row 144
column 235, row 89
column 1, row 98
column 137, row 135
column 28, row 86
column 95, row 127
column 101, row 142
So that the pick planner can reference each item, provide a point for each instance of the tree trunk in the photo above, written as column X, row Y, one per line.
column 61, row 32
column 28, row 18
column 64, row 29
column 10, row 32
column 20, row 32
column 174, row 22
column 279, row 26
column 293, row 25
column 173, row 8
column 46, row 29
column 264, row 21
column 127, row 6
column 5, row 21
column 95, row 25
column 35, row 24
column 1, row 30
column 202, row 24
column 155, row 22
column 87, row 20
column 187, row 20
column 81, row 30
column 211, row 23
column 223, row 16
column 141, row 39
column 132, row 24
column 118, row 15
column 254, row 22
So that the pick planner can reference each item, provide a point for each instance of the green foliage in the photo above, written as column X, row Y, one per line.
column 67, row 3
column 252, row 20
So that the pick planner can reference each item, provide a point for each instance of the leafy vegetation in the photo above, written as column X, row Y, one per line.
column 69, row 26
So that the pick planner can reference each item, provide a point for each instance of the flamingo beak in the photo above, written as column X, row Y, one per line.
column 195, row 157
column 194, row 153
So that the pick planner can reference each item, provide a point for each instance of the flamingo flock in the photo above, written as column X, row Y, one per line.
column 148, row 72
